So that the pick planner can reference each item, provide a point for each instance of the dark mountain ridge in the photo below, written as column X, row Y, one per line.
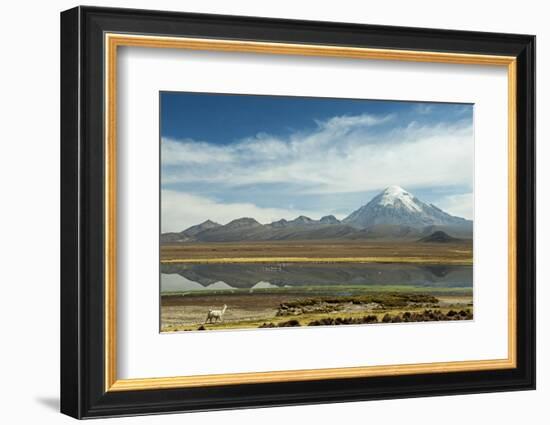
column 394, row 214
column 439, row 237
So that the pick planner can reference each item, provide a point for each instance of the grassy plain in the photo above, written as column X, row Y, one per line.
column 248, row 309
column 321, row 251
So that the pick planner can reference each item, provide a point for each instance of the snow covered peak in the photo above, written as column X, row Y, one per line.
column 394, row 191
column 394, row 195
column 396, row 206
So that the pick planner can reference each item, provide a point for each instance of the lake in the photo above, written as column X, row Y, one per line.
column 220, row 277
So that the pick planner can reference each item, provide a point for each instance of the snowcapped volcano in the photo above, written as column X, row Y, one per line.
column 393, row 214
column 398, row 197
column 396, row 206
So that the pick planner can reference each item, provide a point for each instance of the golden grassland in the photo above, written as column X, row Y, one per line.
column 396, row 259
column 457, row 253
column 252, row 310
column 305, row 319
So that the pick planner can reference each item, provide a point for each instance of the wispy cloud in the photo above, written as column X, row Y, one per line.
column 194, row 153
column 343, row 154
column 424, row 108
column 349, row 122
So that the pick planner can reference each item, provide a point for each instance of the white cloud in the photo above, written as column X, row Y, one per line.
column 424, row 108
column 348, row 122
column 460, row 205
column 190, row 151
column 182, row 210
column 343, row 154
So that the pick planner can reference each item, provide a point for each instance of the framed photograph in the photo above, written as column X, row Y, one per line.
column 261, row 212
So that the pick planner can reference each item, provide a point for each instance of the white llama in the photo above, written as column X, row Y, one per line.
column 215, row 314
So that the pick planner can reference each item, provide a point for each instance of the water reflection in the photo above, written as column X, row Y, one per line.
column 204, row 277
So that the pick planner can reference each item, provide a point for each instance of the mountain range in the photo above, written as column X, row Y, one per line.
column 392, row 214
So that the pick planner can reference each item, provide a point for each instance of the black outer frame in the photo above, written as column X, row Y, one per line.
column 82, row 206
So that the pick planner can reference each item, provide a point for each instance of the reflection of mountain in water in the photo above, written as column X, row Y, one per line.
column 264, row 285
column 307, row 274
column 219, row 285
column 178, row 283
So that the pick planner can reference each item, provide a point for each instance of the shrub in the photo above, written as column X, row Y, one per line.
column 469, row 314
column 322, row 322
column 289, row 323
column 387, row 318
column 327, row 321
column 388, row 300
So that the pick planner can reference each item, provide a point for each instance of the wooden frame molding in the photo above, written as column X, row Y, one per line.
column 114, row 40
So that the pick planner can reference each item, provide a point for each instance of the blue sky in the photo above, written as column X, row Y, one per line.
column 272, row 157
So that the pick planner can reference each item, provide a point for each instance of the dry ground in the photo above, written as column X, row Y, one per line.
column 450, row 253
column 179, row 313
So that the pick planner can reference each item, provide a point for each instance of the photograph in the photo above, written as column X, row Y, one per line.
column 287, row 211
